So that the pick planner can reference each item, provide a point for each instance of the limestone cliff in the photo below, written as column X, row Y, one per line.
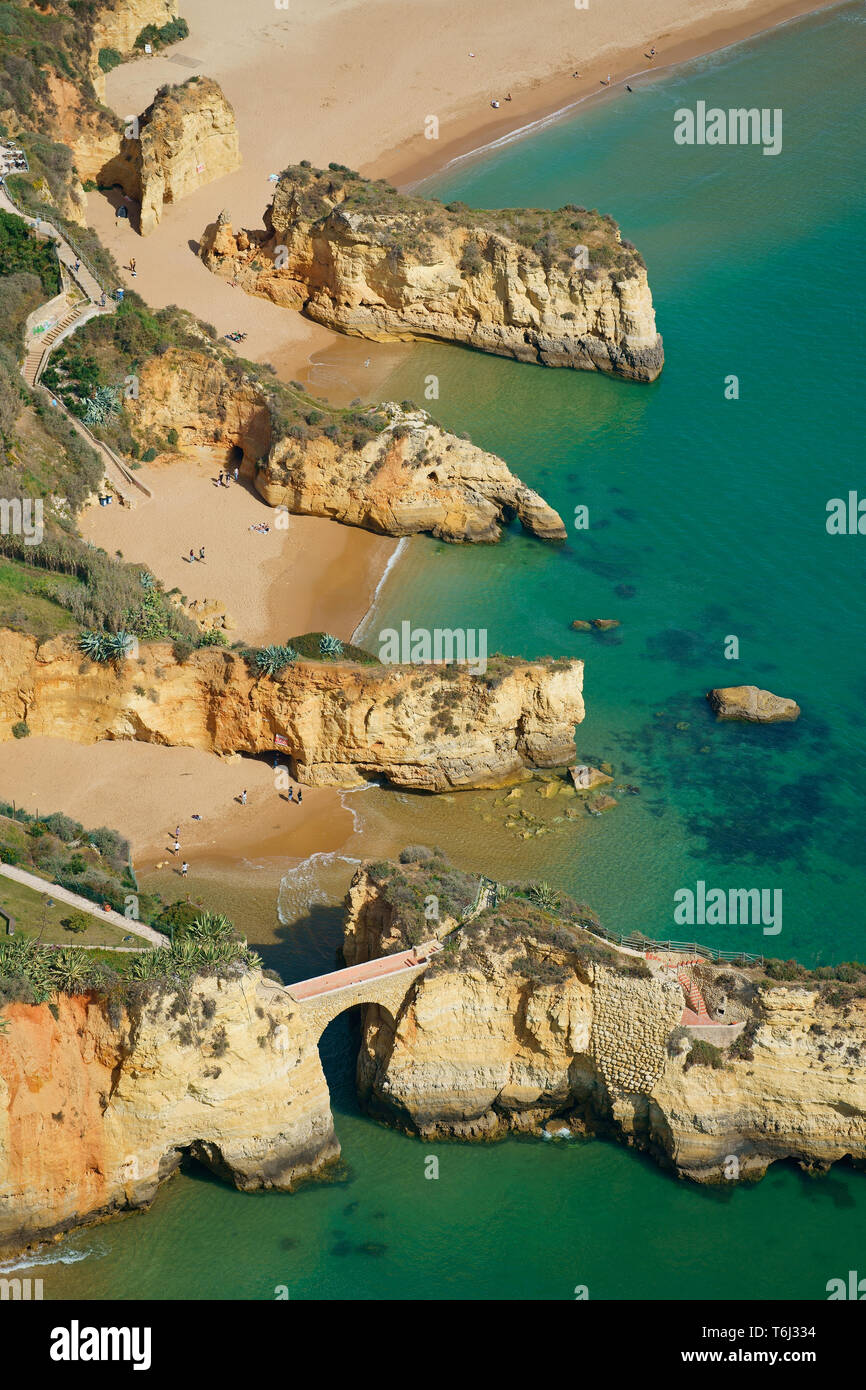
column 560, row 288
column 527, row 1020
column 100, row 1103
column 427, row 727
column 404, row 475
column 118, row 23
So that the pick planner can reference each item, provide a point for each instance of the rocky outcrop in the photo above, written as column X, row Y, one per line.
column 188, row 138
column 100, row 1103
column 558, row 288
column 523, row 1022
column 425, row 727
column 409, row 476
column 751, row 705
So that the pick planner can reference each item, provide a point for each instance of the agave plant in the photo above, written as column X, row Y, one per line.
column 212, row 927
column 544, row 896
column 118, row 645
column 330, row 646
column 101, row 405
column 94, row 645
column 71, row 970
column 271, row 660
column 146, row 580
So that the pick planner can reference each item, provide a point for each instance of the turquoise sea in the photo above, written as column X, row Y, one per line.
column 707, row 520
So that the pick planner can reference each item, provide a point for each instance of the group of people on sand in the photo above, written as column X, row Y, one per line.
column 184, row 867
column 192, row 557
column 261, row 526
column 295, row 795
column 224, row 479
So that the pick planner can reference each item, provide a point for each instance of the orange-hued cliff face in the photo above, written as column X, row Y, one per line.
column 99, row 1102
column 409, row 477
column 425, row 727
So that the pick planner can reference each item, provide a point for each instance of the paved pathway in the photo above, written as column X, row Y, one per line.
column 41, row 885
column 369, row 970
column 64, row 320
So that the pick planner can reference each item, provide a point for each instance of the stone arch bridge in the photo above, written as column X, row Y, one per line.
column 385, row 981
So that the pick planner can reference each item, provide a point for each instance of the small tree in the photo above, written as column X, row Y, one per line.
column 76, row 922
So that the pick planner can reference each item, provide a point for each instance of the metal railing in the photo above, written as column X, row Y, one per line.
column 636, row 941
column 63, row 235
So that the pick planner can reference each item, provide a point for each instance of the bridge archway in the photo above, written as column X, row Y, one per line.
column 344, row 1059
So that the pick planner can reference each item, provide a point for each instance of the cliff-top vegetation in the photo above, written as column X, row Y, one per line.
column 531, row 922
column 410, row 226
column 34, row 974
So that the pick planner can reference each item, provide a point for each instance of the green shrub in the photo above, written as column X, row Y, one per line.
column 704, row 1054
column 109, row 58
column 20, row 730
column 76, row 922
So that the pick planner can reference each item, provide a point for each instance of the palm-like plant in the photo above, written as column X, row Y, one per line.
column 71, row 971
column 118, row 645
column 544, row 896
column 147, row 580
column 330, row 646
column 212, row 927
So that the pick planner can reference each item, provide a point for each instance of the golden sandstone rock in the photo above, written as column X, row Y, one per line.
column 98, row 1106
column 355, row 256
column 511, row 1028
column 751, row 705
column 343, row 722
column 413, row 476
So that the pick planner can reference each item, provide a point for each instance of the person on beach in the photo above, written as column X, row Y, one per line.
column 177, row 845
column 184, row 869
column 196, row 816
column 300, row 796
column 290, row 797
column 201, row 553
column 244, row 797
column 237, row 474
column 191, row 556
column 219, row 479
column 177, row 833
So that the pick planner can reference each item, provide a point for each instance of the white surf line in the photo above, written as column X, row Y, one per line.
column 41, row 885
column 404, row 541
column 543, row 121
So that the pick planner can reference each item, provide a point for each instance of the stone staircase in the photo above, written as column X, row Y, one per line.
column 37, row 354
column 694, row 998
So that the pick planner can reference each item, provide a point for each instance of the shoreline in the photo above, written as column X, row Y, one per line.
column 405, row 165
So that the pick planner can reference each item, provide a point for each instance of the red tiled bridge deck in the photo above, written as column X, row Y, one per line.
column 368, row 970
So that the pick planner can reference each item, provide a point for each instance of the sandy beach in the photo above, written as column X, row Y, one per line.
column 146, row 791
column 312, row 576
column 355, row 81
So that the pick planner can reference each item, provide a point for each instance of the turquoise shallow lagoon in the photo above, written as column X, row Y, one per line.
column 707, row 519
